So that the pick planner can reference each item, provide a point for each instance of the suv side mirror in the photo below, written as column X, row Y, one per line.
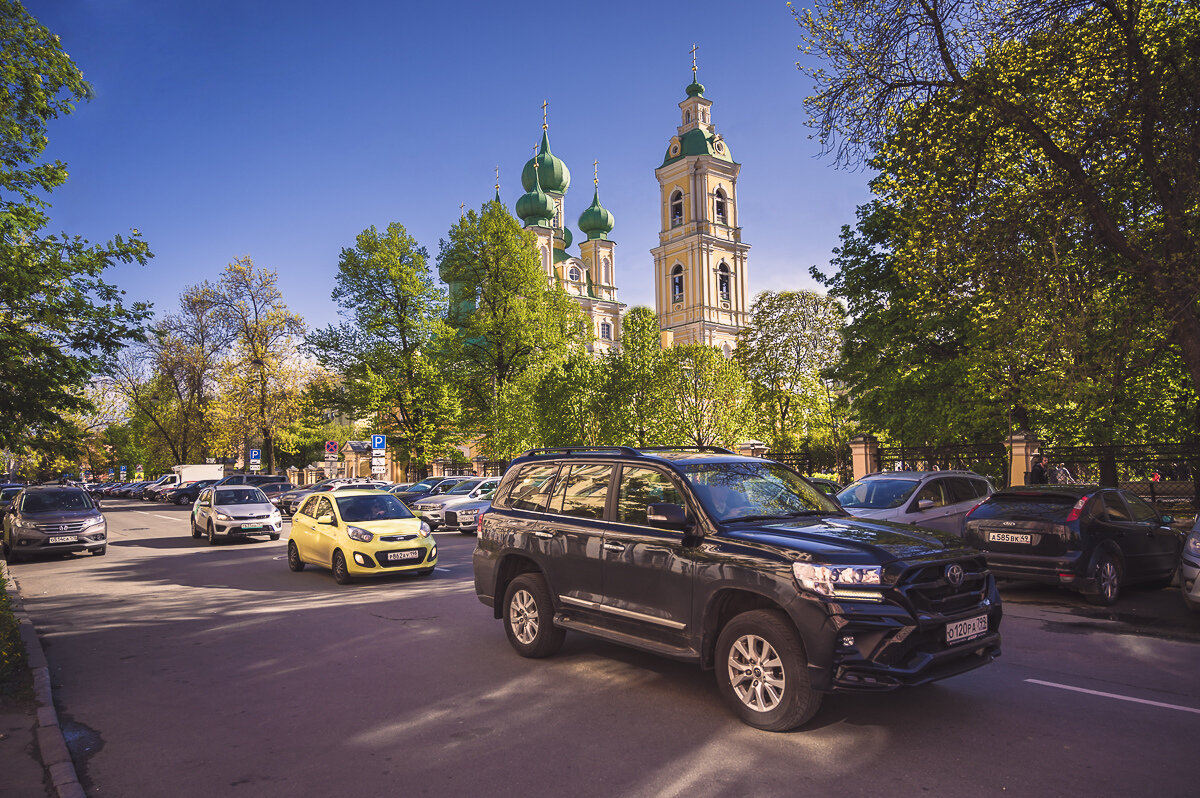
column 923, row 504
column 667, row 516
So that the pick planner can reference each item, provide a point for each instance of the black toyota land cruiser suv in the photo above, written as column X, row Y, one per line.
column 736, row 563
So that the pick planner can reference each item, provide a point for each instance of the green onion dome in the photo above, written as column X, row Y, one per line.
column 596, row 221
column 567, row 238
column 552, row 173
column 535, row 207
column 695, row 89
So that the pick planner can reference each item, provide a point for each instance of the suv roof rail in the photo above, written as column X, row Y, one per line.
column 621, row 450
column 710, row 449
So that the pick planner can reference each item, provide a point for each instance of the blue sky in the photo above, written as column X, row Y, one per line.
column 280, row 130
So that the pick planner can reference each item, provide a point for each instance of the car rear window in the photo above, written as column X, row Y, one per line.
column 1052, row 507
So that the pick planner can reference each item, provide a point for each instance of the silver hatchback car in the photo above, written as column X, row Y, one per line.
column 933, row 499
column 234, row 511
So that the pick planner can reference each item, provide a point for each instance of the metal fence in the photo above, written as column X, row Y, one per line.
column 494, row 468
column 808, row 460
column 989, row 460
column 1167, row 475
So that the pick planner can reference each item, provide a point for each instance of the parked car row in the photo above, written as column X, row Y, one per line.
column 1084, row 537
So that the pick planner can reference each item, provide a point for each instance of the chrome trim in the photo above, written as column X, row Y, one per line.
column 594, row 605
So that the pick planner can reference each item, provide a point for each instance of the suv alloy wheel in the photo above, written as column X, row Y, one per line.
column 529, row 617
column 762, row 672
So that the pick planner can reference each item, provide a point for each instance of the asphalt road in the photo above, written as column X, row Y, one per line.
column 182, row 669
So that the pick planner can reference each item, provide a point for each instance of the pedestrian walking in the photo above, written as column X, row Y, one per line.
column 1063, row 474
column 1037, row 472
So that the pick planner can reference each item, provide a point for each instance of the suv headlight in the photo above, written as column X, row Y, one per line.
column 361, row 535
column 91, row 522
column 425, row 530
column 859, row 582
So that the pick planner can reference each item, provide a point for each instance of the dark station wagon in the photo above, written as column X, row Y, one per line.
column 735, row 563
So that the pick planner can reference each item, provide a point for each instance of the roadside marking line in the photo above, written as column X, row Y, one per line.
column 1114, row 695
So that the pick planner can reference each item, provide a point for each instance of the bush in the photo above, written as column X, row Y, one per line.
column 12, row 651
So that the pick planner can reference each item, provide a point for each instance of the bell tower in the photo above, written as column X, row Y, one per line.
column 700, row 279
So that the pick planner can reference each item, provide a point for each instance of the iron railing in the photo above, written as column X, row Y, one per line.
column 1166, row 474
column 989, row 460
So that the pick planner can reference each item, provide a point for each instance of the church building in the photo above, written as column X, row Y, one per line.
column 700, row 274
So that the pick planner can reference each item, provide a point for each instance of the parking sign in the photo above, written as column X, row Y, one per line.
column 255, row 455
column 378, row 442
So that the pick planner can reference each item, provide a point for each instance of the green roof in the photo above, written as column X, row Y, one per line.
column 697, row 142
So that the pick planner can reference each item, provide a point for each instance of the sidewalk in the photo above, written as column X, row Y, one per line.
column 34, row 761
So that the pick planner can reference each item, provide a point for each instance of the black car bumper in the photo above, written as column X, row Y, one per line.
column 1069, row 569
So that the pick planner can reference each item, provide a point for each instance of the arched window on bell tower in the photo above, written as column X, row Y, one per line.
column 677, row 283
column 723, row 281
column 606, row 271
column 721, row 207
column 677, row 208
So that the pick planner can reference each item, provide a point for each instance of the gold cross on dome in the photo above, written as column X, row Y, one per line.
column 694, row 49
column 595, row 173
column 461, row 207
column 545, row 105
column 497, row 177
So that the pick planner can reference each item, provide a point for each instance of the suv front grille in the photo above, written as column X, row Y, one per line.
column 929, row 590
column 63, row 528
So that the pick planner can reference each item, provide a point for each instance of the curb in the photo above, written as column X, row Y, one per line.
column 56, row 759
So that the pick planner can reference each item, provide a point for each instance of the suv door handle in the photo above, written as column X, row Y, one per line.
column 540, row 534
column 614, row 547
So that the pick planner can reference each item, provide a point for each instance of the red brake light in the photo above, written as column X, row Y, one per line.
column 976, row 507
column 1077, row 510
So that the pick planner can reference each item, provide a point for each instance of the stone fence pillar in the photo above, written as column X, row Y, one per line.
column 1021, row 448
column 864, row 453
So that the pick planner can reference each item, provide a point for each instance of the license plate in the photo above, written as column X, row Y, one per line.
column 1009, row 537
column 965, row 630
column 251, row 526
column 64, row 539
column 403, row 555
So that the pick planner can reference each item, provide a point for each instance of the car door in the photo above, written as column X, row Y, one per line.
column 571, row 535
column 324, row 536
column 203, row 511
column 302, row 529
column 1129, row 535
column 932, row 508
column 648, row 571
column 1161, row 544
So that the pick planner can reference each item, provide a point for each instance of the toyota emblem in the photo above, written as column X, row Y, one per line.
column 954, row 574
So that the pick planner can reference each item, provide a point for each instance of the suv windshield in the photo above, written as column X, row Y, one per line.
column 381, row 507
column 465, row 487
column 878, row 493
column 745, row 491
column 55, row 501
column 254, row 496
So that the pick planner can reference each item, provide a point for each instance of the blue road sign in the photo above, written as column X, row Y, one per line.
column 256, row 454
column 378, row 441
column 122, row 472
column 331, row 447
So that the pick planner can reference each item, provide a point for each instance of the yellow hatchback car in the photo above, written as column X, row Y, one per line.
column 359, row 533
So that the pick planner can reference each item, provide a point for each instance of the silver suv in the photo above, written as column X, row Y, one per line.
column 933, row 499
column 53, row 519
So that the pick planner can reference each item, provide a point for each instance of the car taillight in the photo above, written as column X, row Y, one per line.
column 479, row 518
column 1077, row 510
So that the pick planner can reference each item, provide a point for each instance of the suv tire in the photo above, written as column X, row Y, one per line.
column 762, row 672
column 529, row 617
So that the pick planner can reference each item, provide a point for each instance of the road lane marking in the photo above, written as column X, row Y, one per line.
column 156, row 515
column 1114, row 695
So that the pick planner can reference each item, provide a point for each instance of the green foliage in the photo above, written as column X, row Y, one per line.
column 1031, row 258
column 792, row 339
column 12, row 649
column 634, row 397
column 59, row 321
column 384, row 350
column 505, row 316
column 708, row 394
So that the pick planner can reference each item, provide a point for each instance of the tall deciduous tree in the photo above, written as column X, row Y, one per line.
column 262, row 378
column 505, row 314
column 1099, row 101
column 793, row 336
column 709, row 396
column 393, row 318
column 60, row 322
column 636, row 404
